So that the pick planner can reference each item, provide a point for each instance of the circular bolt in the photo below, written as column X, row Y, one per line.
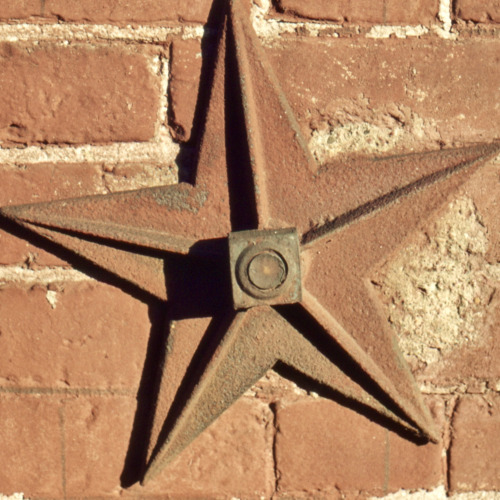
column 267, row 270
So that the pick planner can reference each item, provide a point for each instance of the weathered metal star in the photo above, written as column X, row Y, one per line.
column 290, row 243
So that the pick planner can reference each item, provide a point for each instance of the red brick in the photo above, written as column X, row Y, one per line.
column 75, row 95
column 429, row 87
column 95, row 337
column 37, row 183
column 97, row 433
column 30, row 451
column 14, row 250
column 485, row 11
column 119, row 12
column 365, row 11
column 413, row 466
column 322, row 446
column 475, row 445
column 375, row 81
column 184, row 83
column 20, row 9
column 232, row 458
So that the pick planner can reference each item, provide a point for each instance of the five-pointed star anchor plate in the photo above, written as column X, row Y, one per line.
column 255, row 172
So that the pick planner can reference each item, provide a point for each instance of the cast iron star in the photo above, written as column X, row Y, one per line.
column 256, row 172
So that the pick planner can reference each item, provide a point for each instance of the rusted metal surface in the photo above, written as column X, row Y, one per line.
column 302, row 243
column 265, row 267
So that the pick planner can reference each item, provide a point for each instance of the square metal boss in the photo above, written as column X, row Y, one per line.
column 265, row 267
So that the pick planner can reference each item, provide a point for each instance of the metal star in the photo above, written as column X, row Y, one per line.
column 293, row 290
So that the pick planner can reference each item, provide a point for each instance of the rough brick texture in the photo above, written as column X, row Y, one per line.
column 87, row 337
column 121, row 11
column 27, row 184
column 102, row 95
column 232, row 458
column 322, row 446
column 365, row 11
column 92, row 427
column 485, row 11
column 392, row 89
column 31, row 446
column 475, row 448
column 20, row 9
column 184, row 84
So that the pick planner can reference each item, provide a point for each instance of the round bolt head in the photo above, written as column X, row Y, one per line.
column 267, row 270
column 265, row 267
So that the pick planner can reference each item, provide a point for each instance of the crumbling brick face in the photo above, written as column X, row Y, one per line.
column 117, row 12
column 474, row 446
column 487, row 11
column 100, row 97
column 378, row 12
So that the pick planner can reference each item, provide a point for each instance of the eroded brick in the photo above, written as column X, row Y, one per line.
column 365, row 11
column 76, row 95
column 119, row 12
column 475, row 445
column 385, row 96
column 36, row 183
column 417, row 466
column 97, row 432
column 184, row 83
column 30, row 451
column 20, row 9
column 486, row 11
column 94, row 336
column 322, row 446
column 233, row 458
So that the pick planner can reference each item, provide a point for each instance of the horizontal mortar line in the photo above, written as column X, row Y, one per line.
column 28, row 32
column 43, row 276
column 384, row 31
column 73, row 391
column 265, row 29
column 164, row 152
column 457, row 390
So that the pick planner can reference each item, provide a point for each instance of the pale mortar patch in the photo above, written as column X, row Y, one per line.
column 437, row 294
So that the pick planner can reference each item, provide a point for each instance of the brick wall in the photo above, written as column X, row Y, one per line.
column 99, row 97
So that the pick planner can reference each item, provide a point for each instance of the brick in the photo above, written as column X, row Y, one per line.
column 365, row 11
column 486, row 11
column 95, row 337
column 75, row 95
column 97, row 433
column 37, row 183
column 416, row 466
column 429, row 86
column 475, row 445
column 184, row 83
column 232, row 458
column 322, row 446
column 31, row 451
column 425, row 93
column 119, row 12
column 20, row 9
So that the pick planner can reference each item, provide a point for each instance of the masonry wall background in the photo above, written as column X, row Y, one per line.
column 99, row 97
